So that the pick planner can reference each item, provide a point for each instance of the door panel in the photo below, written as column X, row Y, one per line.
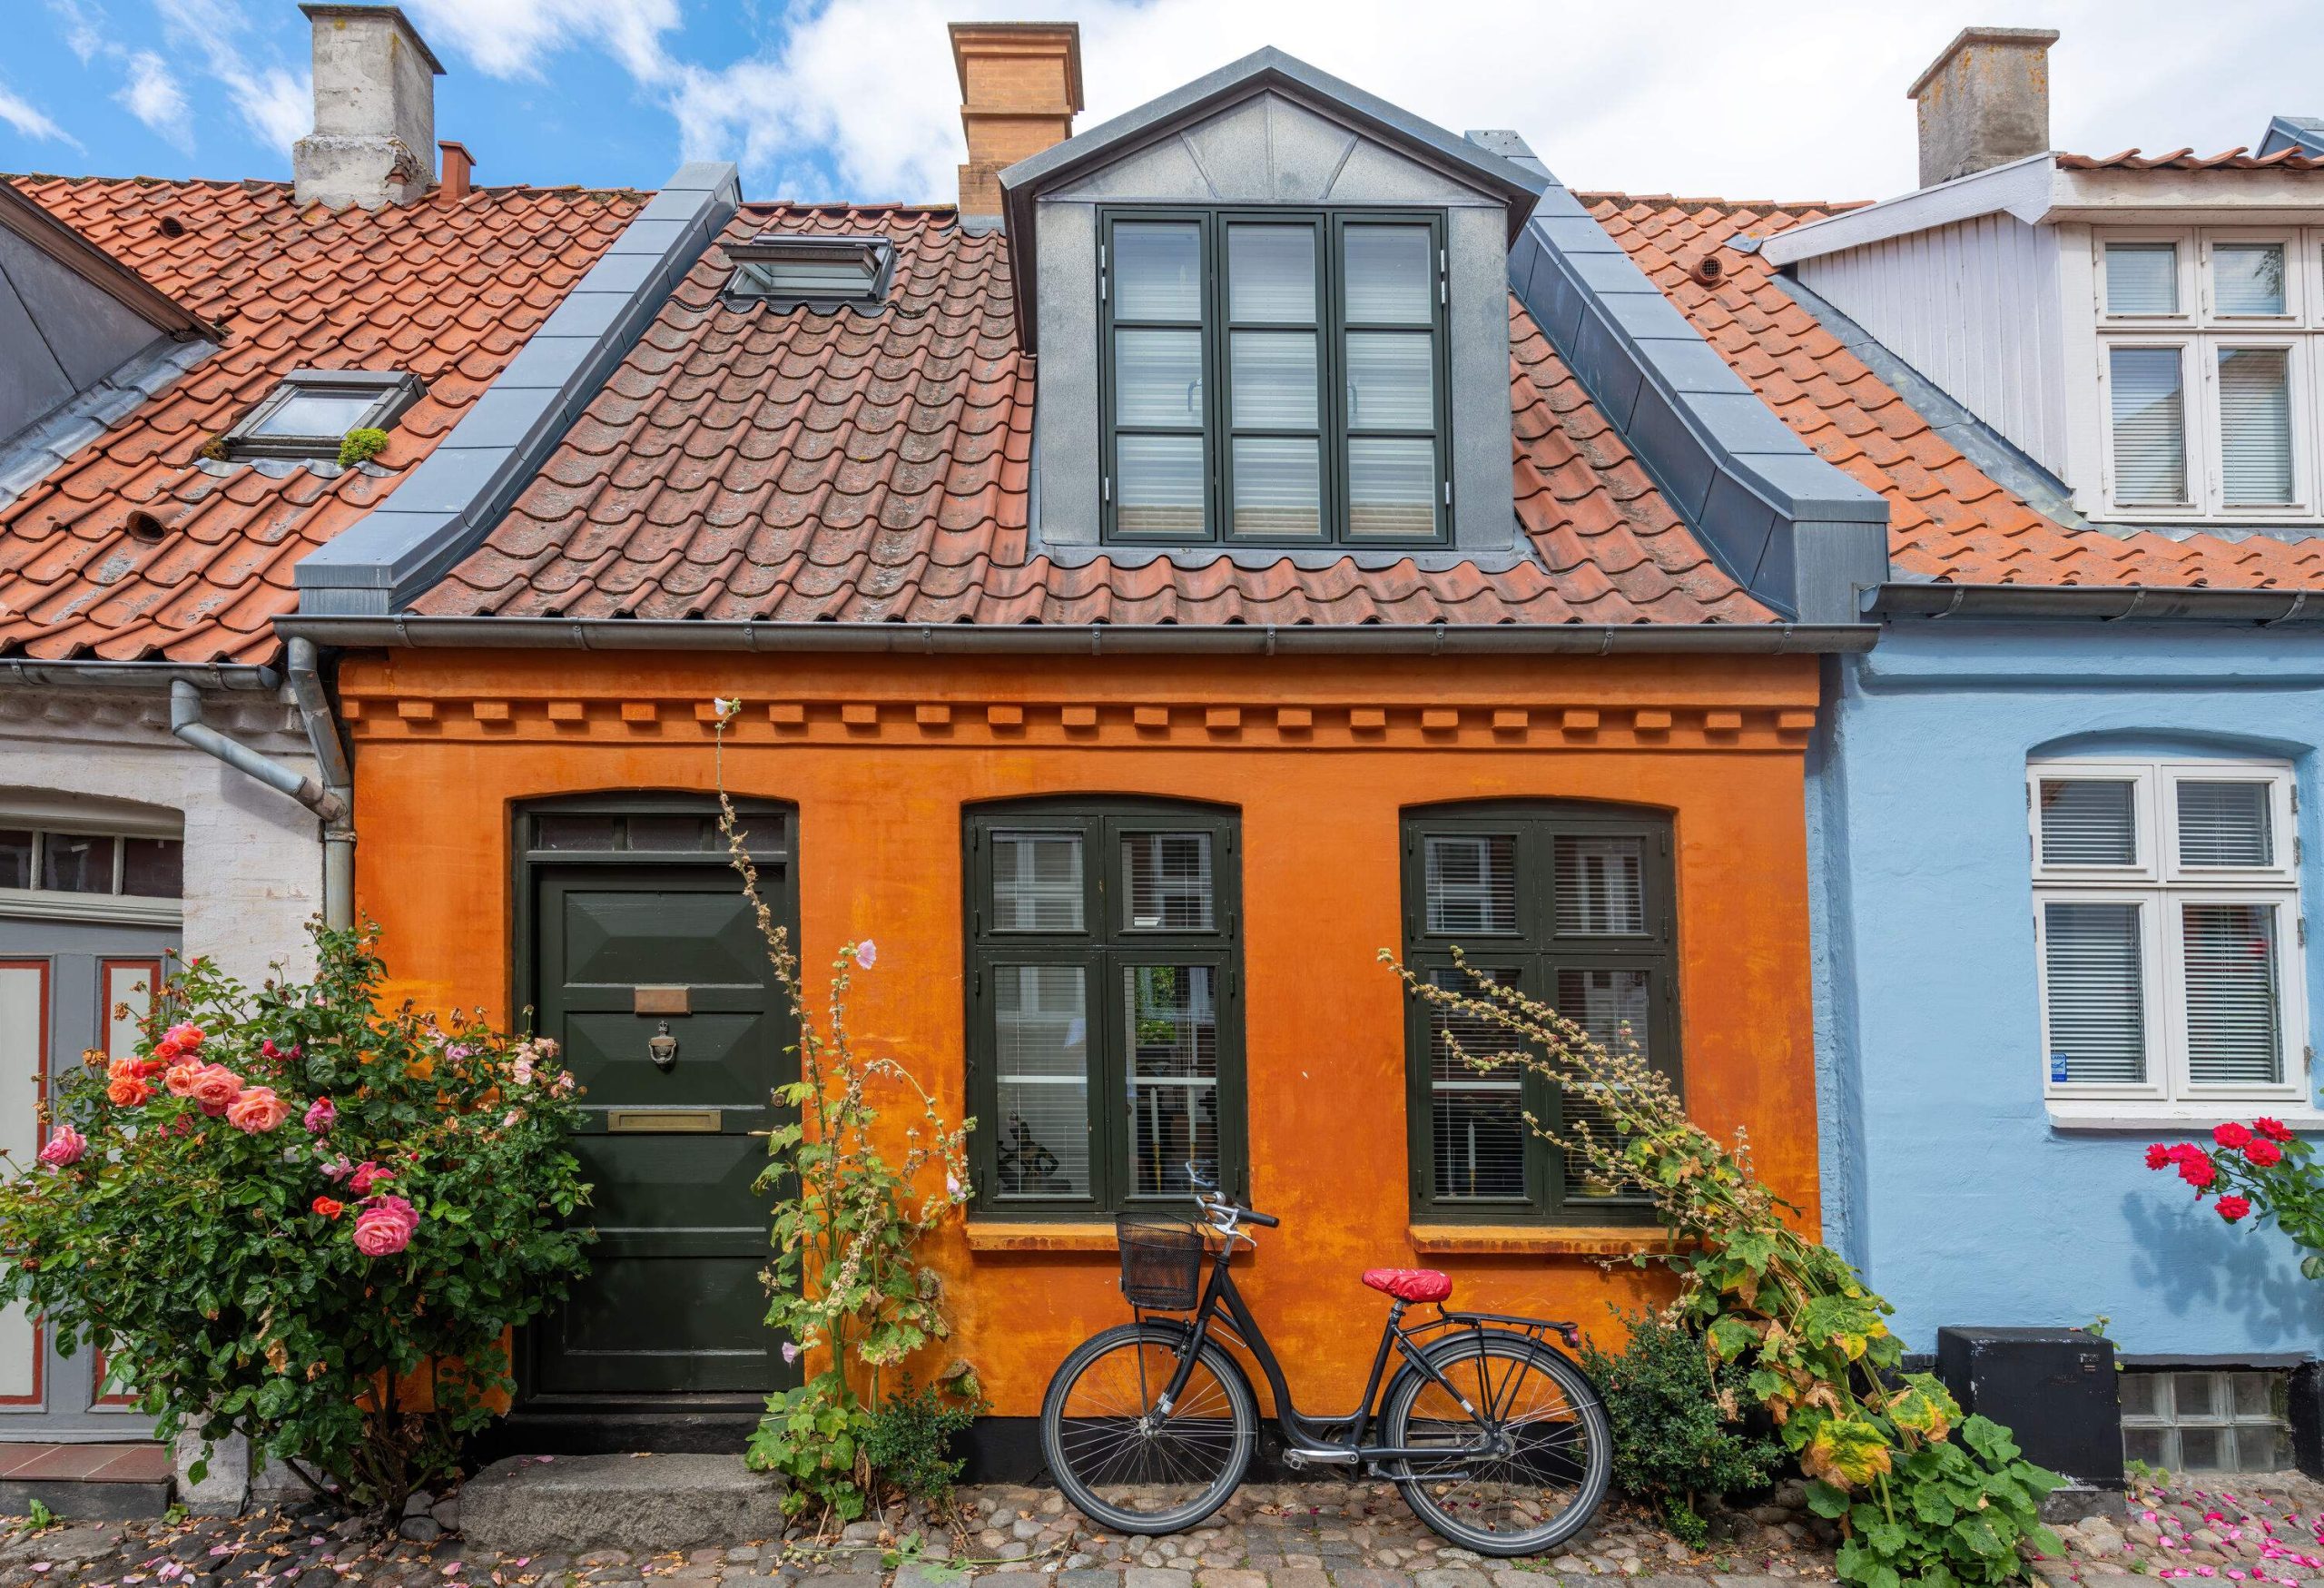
column 673, row 1304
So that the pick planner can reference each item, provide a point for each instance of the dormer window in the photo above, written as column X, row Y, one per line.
column 822, row 273
column 310, row 413
column 1274, row 376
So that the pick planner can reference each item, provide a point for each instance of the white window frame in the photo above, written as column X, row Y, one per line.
column 2160, row 886
column 2201, row 333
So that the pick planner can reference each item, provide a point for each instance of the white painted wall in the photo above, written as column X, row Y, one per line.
column 253, row 857
column 1976, row 306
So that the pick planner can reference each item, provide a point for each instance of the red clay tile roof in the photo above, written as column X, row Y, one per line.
column 448, row 291
column 2239, row 158
column 1948, row 520
column 751, row 463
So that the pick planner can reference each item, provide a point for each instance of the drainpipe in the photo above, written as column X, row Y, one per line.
column 339, row 780
column 330, row 803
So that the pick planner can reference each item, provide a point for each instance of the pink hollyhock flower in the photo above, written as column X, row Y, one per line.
column 257, row 1110
column 867, row 953
column 215, row 1087
column 366, row 1175
column 790, row 1351
column 384, row 1226
column 67, row 1146
column 321, row 1115
column 185, row 1034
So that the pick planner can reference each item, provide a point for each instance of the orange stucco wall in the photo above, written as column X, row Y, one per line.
column 880, row 754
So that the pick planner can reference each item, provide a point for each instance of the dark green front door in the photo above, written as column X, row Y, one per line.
column 632, row 952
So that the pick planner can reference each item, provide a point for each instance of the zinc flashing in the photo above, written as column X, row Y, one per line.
column 443, row 509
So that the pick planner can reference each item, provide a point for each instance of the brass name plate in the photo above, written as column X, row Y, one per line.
column 660, row 1000
column 699, row 1121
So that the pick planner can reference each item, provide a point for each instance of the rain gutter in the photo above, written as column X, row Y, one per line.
column 2107, row 603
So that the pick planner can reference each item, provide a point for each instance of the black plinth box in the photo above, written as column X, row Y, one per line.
column 2055, row 1389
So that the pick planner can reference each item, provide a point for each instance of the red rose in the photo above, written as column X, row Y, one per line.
column 2231, row 1136
column 2233, row 1208
column 2264, row 1153
column 2273, row 1130
column 329, row 1206
column 2158, row 1156
column 2195, row 1167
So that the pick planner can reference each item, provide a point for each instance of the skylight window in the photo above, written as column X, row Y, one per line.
column 820, row 272
column 310, row 413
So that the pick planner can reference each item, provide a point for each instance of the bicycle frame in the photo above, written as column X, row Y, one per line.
column 1340, row 1440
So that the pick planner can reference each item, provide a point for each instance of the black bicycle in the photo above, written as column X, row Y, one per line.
column 1494, row 1437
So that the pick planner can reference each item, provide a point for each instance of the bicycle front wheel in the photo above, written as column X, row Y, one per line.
column 1126, row 1462
column 1524, row 1471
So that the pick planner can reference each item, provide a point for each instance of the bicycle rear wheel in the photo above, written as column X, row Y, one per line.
column 1523, row 1474
column 1126, row 1464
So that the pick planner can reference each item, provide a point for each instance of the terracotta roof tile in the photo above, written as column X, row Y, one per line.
column 1948, row 519
column 449, row 291
column 2239, row 158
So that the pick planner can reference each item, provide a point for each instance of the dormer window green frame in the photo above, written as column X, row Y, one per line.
column 1274, row 376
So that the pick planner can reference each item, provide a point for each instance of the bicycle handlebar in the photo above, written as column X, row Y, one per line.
column 1207, row 1193
column 1264, row 1220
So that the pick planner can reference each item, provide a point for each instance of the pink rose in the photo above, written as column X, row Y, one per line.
column 562, row 1085
column 215, row 1087
column 522, row 1069
column 257, row 1110
column 185, row 1034
column 180, row 1079
column 384, row 1226
column 322, row 1114
column 366, row 1175
column 339, row 1168
column 66, row 1146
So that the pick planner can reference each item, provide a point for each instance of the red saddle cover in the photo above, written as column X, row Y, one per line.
column 1410, row 1283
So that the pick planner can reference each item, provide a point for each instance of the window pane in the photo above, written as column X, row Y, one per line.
column 2255, row 426
column 2195, row 1396
column 1157, row 269
column 2248, row 278
column 1477, row 1117
column 2254, row 1394
column 2145, row 1445
column 2139, row 1399
column 1278, row 489
column 1158, row 485
column 317, row 413
column 2225, row 824
column 1274, row 380
column 1472, row 881
column 591, row 833
column 1388, row 275
column 1391, row 489
column 1271, row 273
column 1390, row 381
column 16, row 858
column 73, row 863
column 763, row 832
column 1601, row 887
column 1612, row 1007
column 1041, row 1076
column 2230, row 953
column 673, row 833
column 2142, row 278
column 1166, row 877
column 1157, row 377
column 2089, row 820
column 2095, row 987
column 2149, row 426
column 154, row 868
column 2262, row 1449
column 1037, row 881
column 1173, row 1047
column 2202, row 1449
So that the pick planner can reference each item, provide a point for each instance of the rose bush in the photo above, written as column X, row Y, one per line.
column 287, row 1202
column 2257, row 1168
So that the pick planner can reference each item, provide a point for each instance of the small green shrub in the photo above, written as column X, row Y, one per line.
column 1677, row 1437
column 909, row 1442
column 360, row 446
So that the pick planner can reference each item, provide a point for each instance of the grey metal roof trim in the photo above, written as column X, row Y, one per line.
column 33, row 453
column 444, row 508
column 1269, row 68
column 626, row 634
column 26, row 673
column 93, row 265
column 1799, row 533
column 2305, row 134
column 2102, row 603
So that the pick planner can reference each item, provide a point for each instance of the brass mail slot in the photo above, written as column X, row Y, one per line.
column 660, row 1000
column 700, row 1121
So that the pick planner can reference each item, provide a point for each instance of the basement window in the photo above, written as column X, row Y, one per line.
column 2207, row 1422
column 310, row 413
column 822, row 273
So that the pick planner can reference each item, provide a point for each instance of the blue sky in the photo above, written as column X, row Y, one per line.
column 856, row 98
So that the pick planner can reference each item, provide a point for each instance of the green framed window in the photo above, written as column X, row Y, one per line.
column 1274, row 376
column 1104, row 1004
column 1573, row 905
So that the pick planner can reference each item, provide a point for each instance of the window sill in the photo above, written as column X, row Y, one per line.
column 124, row 909
column 1534, row 1241
column 2175, row 1117
column 1041, row 1236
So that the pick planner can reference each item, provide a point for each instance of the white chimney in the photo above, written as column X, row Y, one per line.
column 374, row 141
column 1985, row 101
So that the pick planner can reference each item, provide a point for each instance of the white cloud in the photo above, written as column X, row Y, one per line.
column 83, row 33
column 510, row 38
column 276, row 103
column 152, row 96
column 22, row 114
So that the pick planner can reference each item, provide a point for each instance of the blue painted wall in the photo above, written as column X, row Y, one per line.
column 1944, row 1179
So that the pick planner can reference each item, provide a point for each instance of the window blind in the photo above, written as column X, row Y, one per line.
column 2229, row 958
column 1471, row 883
column 2150, row 425
column 2094, row 988
column 1172, row 1044
column 2255, row 427
column 1037, row 881
column 1600, row 886
column 2089, row 820
column 2142, row 278
column 1042, row 1080
column 2225, row 825
column 1167, row 876
column 1612, row 1007
column 1477, row 1122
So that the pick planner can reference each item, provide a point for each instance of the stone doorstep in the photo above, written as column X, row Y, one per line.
column 642, row 1504
column 113, row 1483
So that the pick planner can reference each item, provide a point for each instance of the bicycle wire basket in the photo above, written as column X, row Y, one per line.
column 1162, row 1255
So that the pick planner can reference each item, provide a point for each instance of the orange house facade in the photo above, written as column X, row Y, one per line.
column 1147, row 605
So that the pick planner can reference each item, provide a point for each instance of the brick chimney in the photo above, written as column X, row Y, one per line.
column 1985, row 101
column 1021, row 84
column 459, row 163
column 374, row 141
